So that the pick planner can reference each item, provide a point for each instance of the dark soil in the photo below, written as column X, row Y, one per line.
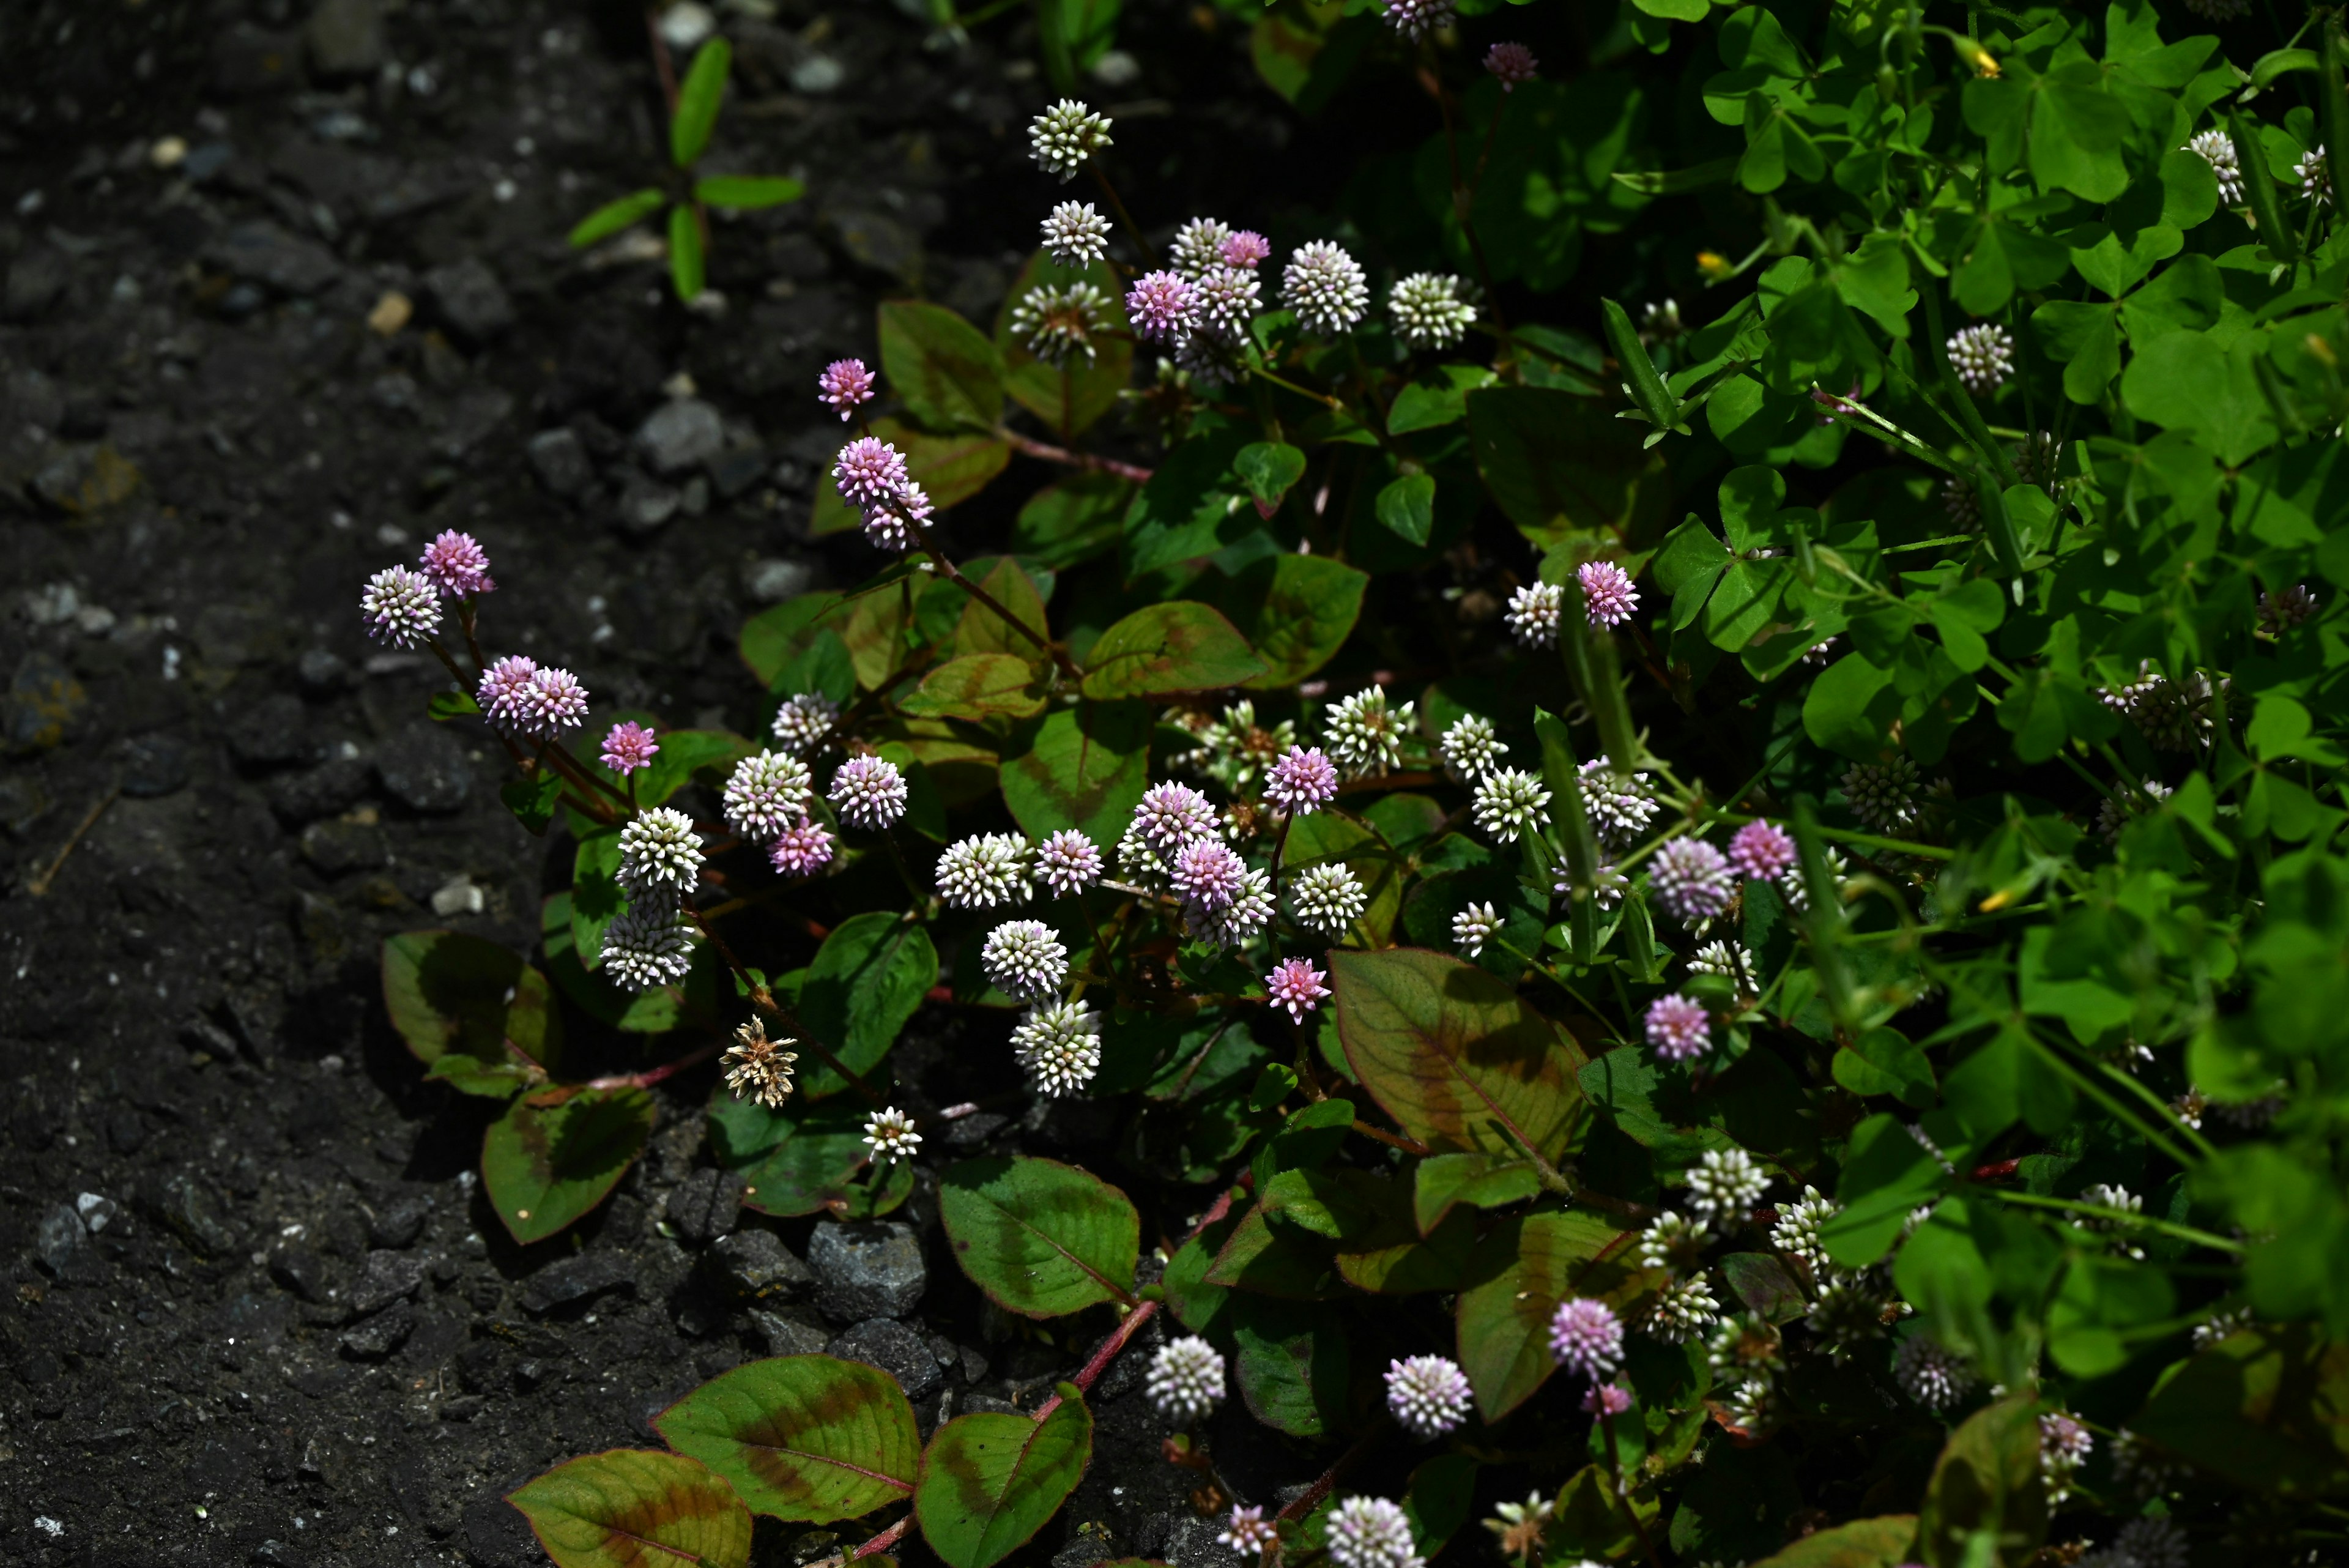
column 255, row 1309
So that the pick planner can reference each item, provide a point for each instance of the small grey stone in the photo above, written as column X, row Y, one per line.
column 468, row 296
column 703, row 1207
column 381, row 1334
column 335, row 785
column 893, row 1348
column 787, row 1336
column 472, row 417
column 755, row 1263
column 398, row 1223
column 681, row 434
column 187, row 1209
column 36, row 280
column 58, row 1238
column 260, row 251
column 338, row 847
column 695, row 500
column 152, row 766
column 464, row 1407
column 770, row 581
column 646, row 504
column 272, row 733
column 345, row 38
column 562, row 463
column 96, row 1210
column 321, row 673
column 734, row 470
column 577, row 1280
column 389, row 1277
column 866, row 1271
column 300, row 1271
column 424, row 767
column 1084, row 1552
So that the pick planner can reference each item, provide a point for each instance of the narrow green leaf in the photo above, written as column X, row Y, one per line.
column 686, row 263
column 698, row 102
column 613, row 216
column 1040, row 1237
column 632, row 1507
column 1676, row 181
column 1647, row 389
column 747, row 192
column 990, row 1482
column 805, row 1438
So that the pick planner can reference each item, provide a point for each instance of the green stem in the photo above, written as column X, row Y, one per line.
column 2115, row 1217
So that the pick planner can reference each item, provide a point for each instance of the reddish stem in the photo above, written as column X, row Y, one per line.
column 1047, row 452
column 1311, row 1497
column 883, row 1541
column 651, row 1075
column 1996, row 1171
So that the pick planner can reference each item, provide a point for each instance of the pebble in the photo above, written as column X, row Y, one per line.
column 424, row 767
column 345, row 38
column 322, row 672
column 271, row 732
column 893, row 1348
column 389, row 1277
column 58, row 1238
column 756, row 1263
column 152, row 766
column 326, row 790
column 260, row 251
column 787, row 1336
column 299, row 1270
column 577, row 1280
column 705, row 1205
column 866, row 1271
column 468, row 296
column 771, row 581
column 646, row 504
column 97, row 1212
column 398, row 1223
column 381, row 1334
column 36, row 280
column 680, row 434
column 187, row 1209
column 341, row 845
column 457, row 896
column 43, row 704
column 560, row 460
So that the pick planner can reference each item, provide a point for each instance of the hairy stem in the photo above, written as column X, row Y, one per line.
column 1046, row 453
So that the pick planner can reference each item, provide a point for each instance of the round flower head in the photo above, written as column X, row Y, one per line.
column 1370, row 1533
column 1938, row 1379
column 891, row 1136
column 1983, row 357
column 1679, row 1029
column 1186, row 1380
column 1301, row 783
column 1417, row 18
column 1511, row 65
column 629, row 746
column 894, row 522
column 1533, row 614
column 1171, row 815
column 1295, row 985
column 2065, row 1445
column 2315, row 177
column 552, row 701
column 1162, row 306
column 1673, row 1242
column 1605, row 1399
column 659, row 852
column 1761, row 851
column 402, row 608
column 1883, row 795
column 2149, row 1543
column 1469, row 748
column 1683, row 1309
column 1024, row 959
column 1228, row 298
column 1063, row 137
column 1725, row 1182
column 982, row 871
column 1797, row 1234
column 649, row 944
column 1244, row 248
column 1055, row 321
column 801, row 851
column 868, row 792
column 1197, row 245
column 1365, row 736
column 868, row 471
column 1325, row 287
column 1248, row 1533
column 1473, row 926
column 2217, row 148
column 758, row 1066
column 1620, row 805
column 2280, row 611
column 1692, row 879
column 500, row 694
column 1428, row 1395
column 803, row 721
column 1428, row 310
column 1730, row 961
column 1512, row 801
column 1329, row 897
column 1239, row 921
column 845, row 384
column 1058, row 1047
column 1076, row 234
column 1206, row 875
column 1587, row 1337
column 1607, row 597
column 457, row 563
column 1068, row 862
column 767, row 793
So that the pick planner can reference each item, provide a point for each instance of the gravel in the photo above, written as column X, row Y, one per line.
column 866, row 1271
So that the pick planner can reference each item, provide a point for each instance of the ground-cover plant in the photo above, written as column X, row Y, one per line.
column 1784, row 991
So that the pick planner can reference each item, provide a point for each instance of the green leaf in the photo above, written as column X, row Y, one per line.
column 1040, row 1237
column 948, row 374
column 1862, row 1543
column 683, row 754
column 2188, row 381
column 1437, row 398
column 2087, row 339
column 747, row 192
column 1520, row 1272
column 1454, row 1055
column 1888, row 1174
column 450, row 993
column 613, row 216
column 1406, row 507
column 1676, row 181
column 1764, row 1282
column 648, row 1013
column 1328, row 837
column 1073, row 396
column 698, row 97
column 1084, row 767
column 1291, row 1361
column 533, row 800
column 629, row 1508
column 1268, row 470
column 1851, row 707
column 1184, row 645
column 1295, row 612
column 545, row 1166
column 990, row 1482
column 1479, row 1181
column 803, row 1437
column 866, row 981
column 2261, row 1408
column 1556, row 463
column 489, row 1080
column 1069, row 523
column 686, row 265
column 1187, row 511
column 977, row 686
column 803, row 1159
column 1986, row 1481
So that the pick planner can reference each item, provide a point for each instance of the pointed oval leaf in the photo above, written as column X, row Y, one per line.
column 448, row 991
column 632, row 1507
column 803, row 1159
column 1862, row 1543
column 1040, row 1237
column 686, row 265
column 1084, row 767
column 990, row 1482
column 698, row 102
column 1453, row 1053
column 1517, row 1275
column 1987, row 1481
column 807, row 1437
column 1295, row 612
column 950, row 375
column 1184, row 645
column 747, row 192
column 543, row 1167
column 1291, row 1361
column 866, row 981
column 977, row 686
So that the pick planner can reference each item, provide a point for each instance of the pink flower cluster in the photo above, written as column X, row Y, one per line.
column 518, row 697
column 872, row 477
column 845, row 384
column 1296, row 986
column 458, row 565
column 629, row 746
column 1301, row 783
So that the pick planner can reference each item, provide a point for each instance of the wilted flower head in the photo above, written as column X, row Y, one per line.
column 868, row 471
column 1473, row 926
column 1936, row 1377
column 1521, row 1525
column 1329, row 897
column 1076, row 234
column 1164, row 306
column 1068, row 862
column 1692, row 879
column 1057, row 1047
column 659, row 852
column 1607, row 597
column 1533, row 614
column 803, row 721
column 1679, row 1029
column 1512, row 65
column 868, row 792
column 1983, row 355
column 459, row 565
column 1063, row 137
column 1586, row 1336
column 845, row 384
column 1370, row 1533
column 1054, row 321
column 1024, row 959
column 1185, row 1379
column 1365, row 736
column 629, row 746
column 1511, row 801
column 1761, row 851
column 758, row 1066
column 647, row 944
column 1197, row 245
column 2149, row 1543
column 802, row 850
column 1430, row 310
column 891, row 1136
column 1427, row 1395
column 1301, row 783
column 1295, row 985
column 767, row 793
column 1325, row 287
column 402, row 606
